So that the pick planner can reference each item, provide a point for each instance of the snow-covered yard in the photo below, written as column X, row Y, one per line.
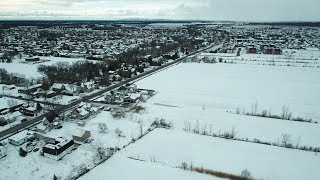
column 35, row 166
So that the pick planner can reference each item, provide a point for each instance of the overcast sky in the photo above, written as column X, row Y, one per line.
column 230, row 10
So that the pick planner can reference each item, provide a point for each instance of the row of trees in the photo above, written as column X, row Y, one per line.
column 78, row 72
column 13, row 78
column 8, row 56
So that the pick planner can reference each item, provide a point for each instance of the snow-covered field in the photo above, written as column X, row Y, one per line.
column 174, row 147
column 289, row 57
column 203, row 94
column 225, row 86
column 30, row 70
column 121, row 168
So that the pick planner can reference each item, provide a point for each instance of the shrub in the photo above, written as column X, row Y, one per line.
column 184, row 166
column 103, row 128
column 286, row 140
column 22, row 152
column 101, row 153
column 162, row 123
column 139, row 109
column 55, row 177
column 229, row 135
column 219, row 174
column 119, row 133
column 264, row 113
column 77, row 172
column 246, row 173
column 118, row 114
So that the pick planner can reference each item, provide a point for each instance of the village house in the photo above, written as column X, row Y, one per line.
column 80, row 113
column 133, row 98
column 21, row 137
column 30, row 111
column 6, row 106
column 48, row 121
column 58, row 149
column 109, row 97
column 81, row 123
column 32, row 59
column 57, row 87
column 13, row 116
column 57, row 125
column 3, row 121
column 30, row 90
column 51, row 94
column 80, row 135
column 41, row 128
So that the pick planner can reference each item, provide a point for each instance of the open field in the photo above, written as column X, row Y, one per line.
column 30, row 70
column 173, row 148
column 203, row 95
column 113, row 169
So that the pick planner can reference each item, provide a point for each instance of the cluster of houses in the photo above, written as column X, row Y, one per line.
column 264, row 49
column 57, row 148
column 128, row 94
column 12, row 110
column 39, row 91
column 268, row 39
column 84, row 110
column 53, row 148
column 97, row 43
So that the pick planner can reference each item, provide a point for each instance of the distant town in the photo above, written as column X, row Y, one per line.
column 71, row 95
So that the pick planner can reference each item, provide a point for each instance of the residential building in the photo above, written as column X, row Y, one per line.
column 58, row 149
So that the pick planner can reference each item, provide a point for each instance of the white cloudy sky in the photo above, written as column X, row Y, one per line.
column 238, row 10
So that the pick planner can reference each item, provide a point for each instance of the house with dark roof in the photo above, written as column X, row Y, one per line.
column 58, row 149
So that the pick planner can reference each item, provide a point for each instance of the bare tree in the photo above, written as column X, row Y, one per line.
column 286, row 140
column 254, row 108
column 103, row 128
column 238, row 110
column 230, row 135
column 140, row 126
column 246, row 173
column 298, row 141
column 119, row 133
column 100, row 152
column 187, row 126
column 196, row 128
column 286, row 114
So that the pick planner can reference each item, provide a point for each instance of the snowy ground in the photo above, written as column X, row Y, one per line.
column 225, row 86
column 30, row 70
column 266, row 162
column 289, row 57
column 34, row 166
column 113, row 169
column 203, row 93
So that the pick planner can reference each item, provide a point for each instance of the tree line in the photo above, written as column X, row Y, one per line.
column 78, row 72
